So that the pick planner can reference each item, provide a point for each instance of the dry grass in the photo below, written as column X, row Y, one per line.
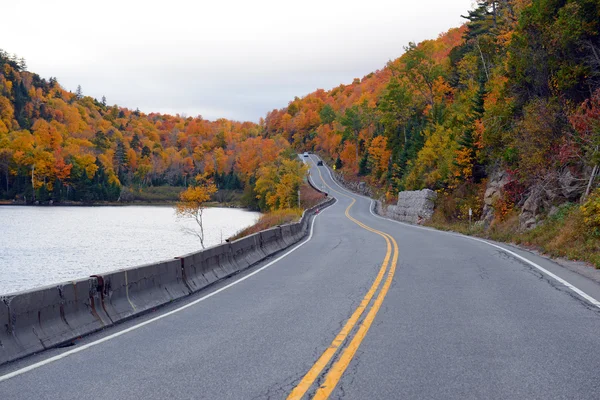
column 269, row 220
column 564, row 235
column 309, row 197
column 561, row 235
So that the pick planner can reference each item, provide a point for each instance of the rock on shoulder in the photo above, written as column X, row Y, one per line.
column 414, row 206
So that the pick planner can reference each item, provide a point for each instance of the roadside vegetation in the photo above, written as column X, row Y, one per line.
column 571, row 231
column 192, row 203
column 500, row 116
column 269, row 220
column 309, row 197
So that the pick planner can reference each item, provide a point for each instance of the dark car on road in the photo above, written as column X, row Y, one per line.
column 319, row 162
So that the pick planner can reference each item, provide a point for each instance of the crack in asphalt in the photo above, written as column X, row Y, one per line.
column 349, row 375
column 556, row 285
column 526, row 267
column 337, row 245
column 278, row 390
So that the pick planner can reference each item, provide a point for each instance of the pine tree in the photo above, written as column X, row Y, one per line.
column 363, row 165
column 467, row 143
column 338, row 163
column 120, row 160
column 135, row 141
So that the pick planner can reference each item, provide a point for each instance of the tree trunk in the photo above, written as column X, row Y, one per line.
column 590, row 182
column 357, row 160
column 32, row 181
column 199, row 222
column 482, row 60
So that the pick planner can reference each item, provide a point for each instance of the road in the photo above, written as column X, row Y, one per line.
column 366, row 308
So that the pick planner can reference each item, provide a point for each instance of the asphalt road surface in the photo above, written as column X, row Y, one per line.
column 366, row 308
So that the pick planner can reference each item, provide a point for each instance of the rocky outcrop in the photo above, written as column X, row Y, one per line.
column 415, row 206
column 529, row 217
column 354, row 186
column 553, row 189
column 495, row 189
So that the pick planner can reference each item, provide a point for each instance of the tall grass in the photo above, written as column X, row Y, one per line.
column 563, row 234
column 269, row 220
column 309, row 197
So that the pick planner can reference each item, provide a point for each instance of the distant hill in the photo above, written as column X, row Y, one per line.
column 500, row 116
column 512, row 93
column 57, row 145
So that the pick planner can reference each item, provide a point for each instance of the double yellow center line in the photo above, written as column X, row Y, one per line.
column 339, row 366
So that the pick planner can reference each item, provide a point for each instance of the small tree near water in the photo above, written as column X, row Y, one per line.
column 192, row 203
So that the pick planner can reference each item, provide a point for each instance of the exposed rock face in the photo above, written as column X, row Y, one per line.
column 529, row 217
column 570, row 186
column 555, row 188
column 357, row 187
column 495, row 189
column 415, row 206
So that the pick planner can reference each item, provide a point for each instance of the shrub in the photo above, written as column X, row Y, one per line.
column 591, row 214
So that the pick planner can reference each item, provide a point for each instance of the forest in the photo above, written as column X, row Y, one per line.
column 509, row 99
column 60, row 146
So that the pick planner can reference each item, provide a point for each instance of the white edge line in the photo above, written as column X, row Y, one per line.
column 132, row 328
column 572, row 287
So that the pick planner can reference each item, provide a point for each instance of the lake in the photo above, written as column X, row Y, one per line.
column 40, row 246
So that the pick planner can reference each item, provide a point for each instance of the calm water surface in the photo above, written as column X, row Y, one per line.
column 46, row 245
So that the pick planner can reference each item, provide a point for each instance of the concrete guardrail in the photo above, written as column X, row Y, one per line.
column 42, row 318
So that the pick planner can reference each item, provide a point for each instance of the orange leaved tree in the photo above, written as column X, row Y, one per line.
column 192, row 203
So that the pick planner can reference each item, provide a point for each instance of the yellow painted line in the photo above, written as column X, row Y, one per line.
column 322, row 362
column 340, row 366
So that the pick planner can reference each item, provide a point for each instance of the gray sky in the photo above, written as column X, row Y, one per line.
column 218, row 58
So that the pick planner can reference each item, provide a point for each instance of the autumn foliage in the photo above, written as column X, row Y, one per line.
column 515, row 87
column 502, row 91
column 192, row 203
column 63, row 146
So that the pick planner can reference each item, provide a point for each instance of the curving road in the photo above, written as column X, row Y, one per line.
column 365, row 308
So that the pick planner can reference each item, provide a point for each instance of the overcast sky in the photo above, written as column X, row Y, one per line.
column 218, row 58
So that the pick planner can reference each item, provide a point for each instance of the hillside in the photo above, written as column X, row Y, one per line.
column 62, row 146
column 501, row 116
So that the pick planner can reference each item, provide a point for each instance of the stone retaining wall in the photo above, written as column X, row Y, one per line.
column 414, row 206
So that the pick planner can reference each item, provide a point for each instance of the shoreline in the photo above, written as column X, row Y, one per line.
column 117, row 204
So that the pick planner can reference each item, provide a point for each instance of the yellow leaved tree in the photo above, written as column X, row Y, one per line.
column 192, row 203
column 277, row 184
